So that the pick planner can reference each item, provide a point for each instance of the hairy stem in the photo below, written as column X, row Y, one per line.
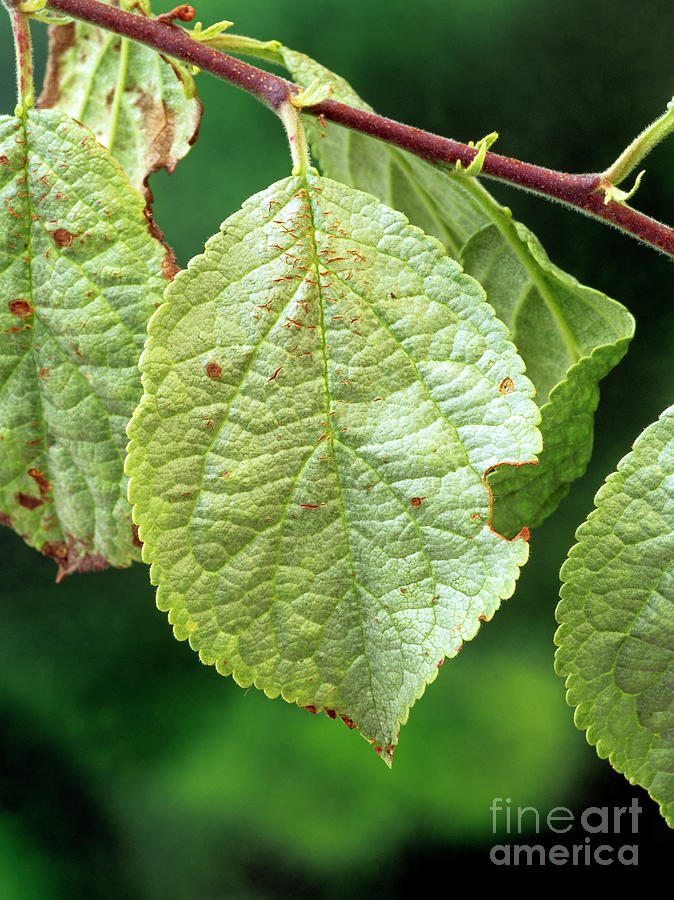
column 24, row 53
column 641, row 146
column 584, row 192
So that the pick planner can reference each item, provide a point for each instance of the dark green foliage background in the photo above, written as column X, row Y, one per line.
column 129, row 770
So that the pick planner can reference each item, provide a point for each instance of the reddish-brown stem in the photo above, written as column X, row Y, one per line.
column 584, row 192
column 24, row 55
column 176, row 42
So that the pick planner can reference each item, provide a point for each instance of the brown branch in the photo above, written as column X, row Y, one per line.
column 583, row 192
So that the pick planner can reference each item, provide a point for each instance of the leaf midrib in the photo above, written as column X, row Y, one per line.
column 340, row 498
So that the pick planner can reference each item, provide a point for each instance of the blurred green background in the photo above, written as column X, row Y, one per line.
column 127, row 769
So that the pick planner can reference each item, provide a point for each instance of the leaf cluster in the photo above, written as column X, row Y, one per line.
column 344, row 417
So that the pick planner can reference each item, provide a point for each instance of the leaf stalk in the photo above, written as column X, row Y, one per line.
column 630, row 158
column 299, row 148
column 24, row 55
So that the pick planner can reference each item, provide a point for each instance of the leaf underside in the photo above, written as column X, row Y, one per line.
column 126, row 93
column 323, row 395
column 616, row 634
column 81, row 275
column 569, row 336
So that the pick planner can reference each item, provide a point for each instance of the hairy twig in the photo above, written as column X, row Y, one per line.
column 589, row 193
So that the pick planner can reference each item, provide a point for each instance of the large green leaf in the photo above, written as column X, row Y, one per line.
column 616, row 634
column 80, row 275
column 128, row 94
column 570, row 336
column 323, row 397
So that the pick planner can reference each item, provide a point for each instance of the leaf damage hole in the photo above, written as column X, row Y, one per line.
column 524, row 534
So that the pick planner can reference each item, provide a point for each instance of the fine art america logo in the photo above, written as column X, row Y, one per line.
column 592, row 848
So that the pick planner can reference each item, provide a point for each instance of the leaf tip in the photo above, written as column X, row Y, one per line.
column 385, row 753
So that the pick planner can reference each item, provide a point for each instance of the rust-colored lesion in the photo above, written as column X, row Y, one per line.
column 69, row 558
column 62, row 237
column 28, row 501
column 135, row 540
column 386, row 753
column 43, row 484
column 20, row 307
column 61, row 39
column 214, row 371
column 160, row 120
column 159, row 126
column 507, row 386
column 169, row 263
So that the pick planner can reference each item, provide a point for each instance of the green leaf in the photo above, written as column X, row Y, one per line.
column 569, row 336
column 616, row 634
column 130, row 96
column 322, row 401
column 81, row 275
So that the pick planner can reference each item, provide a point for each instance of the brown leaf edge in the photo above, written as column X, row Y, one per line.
column 61, row 39
column 71, row 555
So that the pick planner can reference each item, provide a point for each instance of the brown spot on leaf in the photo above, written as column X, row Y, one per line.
column 136, row 540
column 61, row 38
column 311, row 709
column 507, row 386
column 29, row 502
column 44, row 373
column 348, row 722
column 70, row 557
column 5, row 520
column 4, row 161
column 213, row 370
column 62, row 237
column 417, row 501
column 41, row 481
column 330, row 712
column 20, row 307
column 385, row 752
